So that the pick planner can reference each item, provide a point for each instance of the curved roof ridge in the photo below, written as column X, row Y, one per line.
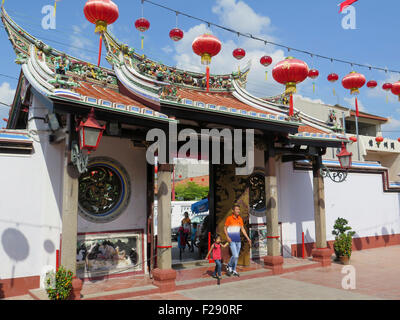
column 131, row 51
column 10, row 23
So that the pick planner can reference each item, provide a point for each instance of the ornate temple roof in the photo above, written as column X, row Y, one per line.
column 137, row 86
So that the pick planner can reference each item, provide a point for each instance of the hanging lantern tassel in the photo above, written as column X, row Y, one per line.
column 313, row 87
column 266, row 75
column 100, row 47
column 357, row 114
column 142, row 42
column 208, row 78
column 55, row 7
column 291, row 105
column 334, row 92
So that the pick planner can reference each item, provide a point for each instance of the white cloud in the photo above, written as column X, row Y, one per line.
column 392, row 125
column 6, row 93
column 167, row 49
column 6, row 97
column 240, row 16
column 302, row 98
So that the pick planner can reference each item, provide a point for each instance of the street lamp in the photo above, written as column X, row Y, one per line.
column 345, row 163
column 90, row 133
column 344, row 158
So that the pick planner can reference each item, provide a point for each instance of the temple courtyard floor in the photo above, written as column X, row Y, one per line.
column 374, row 275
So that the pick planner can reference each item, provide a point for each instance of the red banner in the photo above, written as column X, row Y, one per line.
column 346, row 3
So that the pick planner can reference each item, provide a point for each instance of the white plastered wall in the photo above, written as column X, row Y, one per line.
column 30, row 204
column 360, row 200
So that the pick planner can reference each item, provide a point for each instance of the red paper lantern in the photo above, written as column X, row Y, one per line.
column 353, row 82
column 333, row 77
column 396, row 89
column 206, row 46
column 266, row 61
column 379, row 140
column 142, row 24
column 387, row 86
column 353, row 139
column 290, row 72
column 101, row 13
column 398, row 139
column 239, row 53
column 313, row 73
column 372, row 84
column 176, row 34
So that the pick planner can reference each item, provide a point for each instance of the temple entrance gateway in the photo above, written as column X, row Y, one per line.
column 105, row 218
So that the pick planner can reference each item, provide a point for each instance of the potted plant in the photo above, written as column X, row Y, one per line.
column 343, row 240
column 59, row 284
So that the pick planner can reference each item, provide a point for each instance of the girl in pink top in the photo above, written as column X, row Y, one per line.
column 216, row 255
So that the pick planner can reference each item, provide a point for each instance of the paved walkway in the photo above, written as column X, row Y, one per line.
column 377, row 273
column 376, row 277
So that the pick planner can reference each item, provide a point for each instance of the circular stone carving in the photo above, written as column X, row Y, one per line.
column 104, row 190
column 257, row 194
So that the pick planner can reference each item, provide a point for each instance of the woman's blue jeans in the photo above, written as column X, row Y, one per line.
column 235, row 249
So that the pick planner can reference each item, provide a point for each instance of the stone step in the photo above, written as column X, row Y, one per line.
column 127, row 292
column 41, row 294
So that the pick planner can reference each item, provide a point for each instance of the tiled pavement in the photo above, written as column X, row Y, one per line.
column 377, row 273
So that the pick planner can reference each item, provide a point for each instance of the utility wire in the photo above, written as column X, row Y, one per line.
column 5, row 104
column 250, row 36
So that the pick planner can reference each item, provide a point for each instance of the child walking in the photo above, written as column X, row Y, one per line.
column 217, row 256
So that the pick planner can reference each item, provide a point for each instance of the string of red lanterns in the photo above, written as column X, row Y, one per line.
column 289, row 72
column 250, row 36
column 105, row 12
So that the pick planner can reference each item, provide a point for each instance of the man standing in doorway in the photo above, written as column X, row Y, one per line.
column 232, row 228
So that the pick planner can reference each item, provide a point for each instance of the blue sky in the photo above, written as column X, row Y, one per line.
column 311, row 25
